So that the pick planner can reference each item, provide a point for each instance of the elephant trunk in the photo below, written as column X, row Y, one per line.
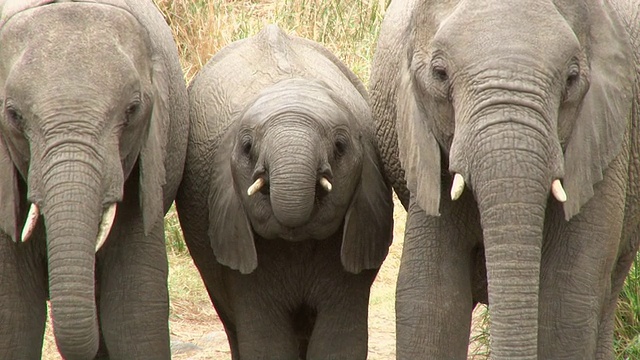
column 293, row 176
column 72, row 210
column 511, row 181
column 513, row 252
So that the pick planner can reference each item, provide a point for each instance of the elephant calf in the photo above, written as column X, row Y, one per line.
column 283, row 205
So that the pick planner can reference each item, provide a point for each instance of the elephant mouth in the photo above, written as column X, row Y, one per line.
column 273, row 230
column 294, row 234
column 106, row 222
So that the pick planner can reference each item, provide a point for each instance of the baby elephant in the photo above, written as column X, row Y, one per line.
column 283, row 205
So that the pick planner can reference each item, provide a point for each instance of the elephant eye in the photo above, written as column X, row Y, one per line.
column 341, row 146
column 573, row 75
column 571, row 82
column 247, row 145
column 14, row 117
column 131, row 112
column 439, row 72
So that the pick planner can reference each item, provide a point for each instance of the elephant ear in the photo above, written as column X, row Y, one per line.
column 8, row 193
column 152, row 154
column 603, row 118
column 418, row 148
column 229, row 228
column 368, row 226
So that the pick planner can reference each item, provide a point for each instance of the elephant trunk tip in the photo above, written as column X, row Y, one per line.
column 74, row 345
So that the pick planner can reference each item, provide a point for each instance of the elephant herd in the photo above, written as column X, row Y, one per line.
column 508, row 129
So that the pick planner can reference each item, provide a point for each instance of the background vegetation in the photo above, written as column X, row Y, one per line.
column 349, row 29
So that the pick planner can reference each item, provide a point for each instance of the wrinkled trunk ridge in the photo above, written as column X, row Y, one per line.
column 72, row 210
column 293, row 176
column 511, row 185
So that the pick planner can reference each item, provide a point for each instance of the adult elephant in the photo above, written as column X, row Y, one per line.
column 510, row 101
column 283, row 206
column 94, row 128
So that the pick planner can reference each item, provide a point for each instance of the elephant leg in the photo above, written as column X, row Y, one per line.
column 433, row 295
column 134, row 303
column 578, row 262
column 211, row 274
column 23, row 309
column 265, row 332
column 340, row 330
column 197, row 240
column 230, row 330
column 605, row 349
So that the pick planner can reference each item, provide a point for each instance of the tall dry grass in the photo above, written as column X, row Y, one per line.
column 202, row 27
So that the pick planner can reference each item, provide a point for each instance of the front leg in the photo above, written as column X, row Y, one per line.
column 134, row 301
column 23, row 308
column 579, row 260
column 341, row 326
column 262, row 319
column 433, row 295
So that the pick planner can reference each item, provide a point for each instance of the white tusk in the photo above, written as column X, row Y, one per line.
column 105, row 225
column 256, row 186
column 457, row 187
column 30, row 224
column 558, row 191
column 326, row 184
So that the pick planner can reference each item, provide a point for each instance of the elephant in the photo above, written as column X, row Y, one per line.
column 94, row 129
column 509, row 130
column 283, row 204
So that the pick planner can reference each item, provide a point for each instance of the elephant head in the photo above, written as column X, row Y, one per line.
column 83, row 101
column 303, row 166
column 516, row 98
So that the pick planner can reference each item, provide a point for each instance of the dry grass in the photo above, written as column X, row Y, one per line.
column 201, row 27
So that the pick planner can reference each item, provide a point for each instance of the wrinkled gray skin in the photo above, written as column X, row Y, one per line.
column 289, row 268
column 94, row 112
column 511, row 95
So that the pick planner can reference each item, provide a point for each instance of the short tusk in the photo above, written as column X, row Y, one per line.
column 558, row 191
column 30, row 224
column 457, row 187
column 326, row 184
column 256, row 186
column 105, row 225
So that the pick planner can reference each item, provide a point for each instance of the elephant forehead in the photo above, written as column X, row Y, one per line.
column 64, row 27
column 9, row 8
column 532, row 29
column 67, row 41
column 304, row 98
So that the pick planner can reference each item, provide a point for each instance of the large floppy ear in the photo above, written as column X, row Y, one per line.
column 418, row 148
column 152, row 154
column 603, row 118
column 368, row 225
column 8, row 193
column 229, row 229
